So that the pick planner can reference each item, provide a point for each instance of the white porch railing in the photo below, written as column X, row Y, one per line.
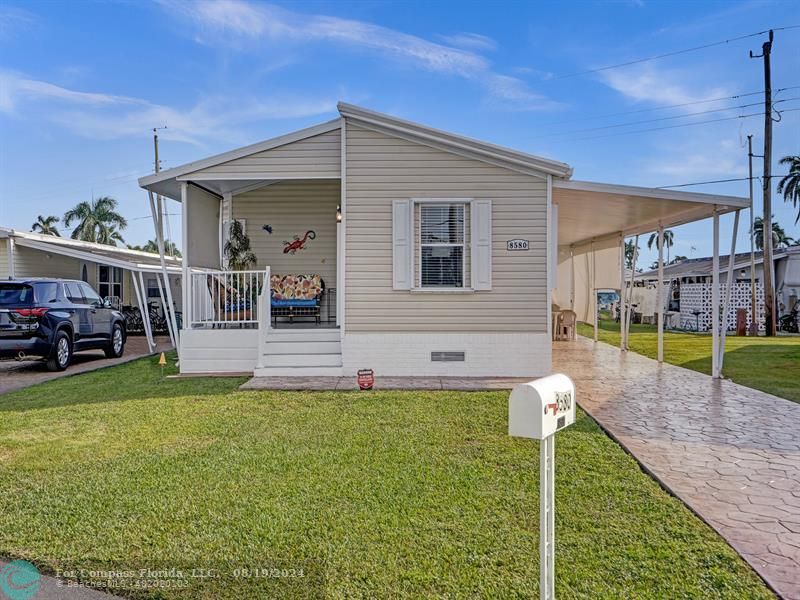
column 227, row 298
column 264, row 316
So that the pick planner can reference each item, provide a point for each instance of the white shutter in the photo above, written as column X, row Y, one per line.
column 481, row 233
column 401, row 244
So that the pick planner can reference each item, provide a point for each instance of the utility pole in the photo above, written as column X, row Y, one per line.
column 769, row 284
column 753, row 303
column 157, row 163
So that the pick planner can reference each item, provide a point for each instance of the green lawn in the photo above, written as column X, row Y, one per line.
column 768, row 364
column 401, row 494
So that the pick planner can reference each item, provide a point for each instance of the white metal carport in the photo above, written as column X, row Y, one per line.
column 593, row 221
column 136, row 262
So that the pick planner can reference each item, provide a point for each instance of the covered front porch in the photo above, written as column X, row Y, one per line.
column 262, row 238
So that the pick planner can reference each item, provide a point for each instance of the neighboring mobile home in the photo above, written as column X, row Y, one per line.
column 119, row 274
column 439, row 254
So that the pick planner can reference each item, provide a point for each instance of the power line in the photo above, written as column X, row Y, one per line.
column 684, row 116
column 666, row 187
column 668, row 54
column 758, row 114
column 670, row 106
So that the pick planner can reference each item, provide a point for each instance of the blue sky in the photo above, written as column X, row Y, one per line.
column 83, row 83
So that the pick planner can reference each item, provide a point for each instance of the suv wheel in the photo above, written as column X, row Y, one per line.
column 117, row 345
column 62, row 352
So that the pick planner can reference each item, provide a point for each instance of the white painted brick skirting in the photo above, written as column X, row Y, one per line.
column 486, row 354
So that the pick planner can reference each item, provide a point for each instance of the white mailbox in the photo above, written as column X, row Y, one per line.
column 538, row 409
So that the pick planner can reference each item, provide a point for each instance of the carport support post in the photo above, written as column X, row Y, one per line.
column 622, row 315
column 159, row 227
column 166, row 311
column 138, row 287
column 571, row 278
column 660, row 294
column 629, row 316
column 728, row 287
column 547, row 518
column 715, row 372
column 594, row 292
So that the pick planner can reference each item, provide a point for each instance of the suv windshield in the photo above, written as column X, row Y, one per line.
column 15, row 294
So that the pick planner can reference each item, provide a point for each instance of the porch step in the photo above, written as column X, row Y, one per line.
column 308, row 350
column 299, row 372
column 303, row 335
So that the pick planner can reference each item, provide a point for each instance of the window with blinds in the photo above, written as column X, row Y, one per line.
column 442, row 245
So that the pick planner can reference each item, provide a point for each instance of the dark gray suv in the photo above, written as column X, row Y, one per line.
column 54, row 318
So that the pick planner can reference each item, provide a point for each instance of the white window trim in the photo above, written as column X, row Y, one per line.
column 416, row 249
column 110, row 283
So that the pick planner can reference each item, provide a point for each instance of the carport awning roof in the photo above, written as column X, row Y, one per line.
column 592, row 211
column 134, row 260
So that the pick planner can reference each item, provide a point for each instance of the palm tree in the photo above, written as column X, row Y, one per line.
column 779, row 237
column 97, row 221
column 789, row 185
column 669, row 240
column 629, row 254
column 170, row 248
column 46, row 225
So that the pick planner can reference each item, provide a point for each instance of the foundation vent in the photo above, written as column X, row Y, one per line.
column 447, row 357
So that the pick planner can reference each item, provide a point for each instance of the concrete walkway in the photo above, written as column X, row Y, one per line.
column 17, row 375
column 731, row 453
column 463, row 384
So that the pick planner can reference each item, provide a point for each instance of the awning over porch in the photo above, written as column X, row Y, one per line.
column 592, row 220
column 593, row 211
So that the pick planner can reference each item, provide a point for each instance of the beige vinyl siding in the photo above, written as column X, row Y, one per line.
column 317, row 157
column 4, row 267
column 292, row 208
column 381, row 168
column 30, row 262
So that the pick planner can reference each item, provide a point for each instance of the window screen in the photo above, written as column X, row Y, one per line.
column 442, row 234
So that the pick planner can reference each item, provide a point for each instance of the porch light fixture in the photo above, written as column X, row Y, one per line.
column 338, row 214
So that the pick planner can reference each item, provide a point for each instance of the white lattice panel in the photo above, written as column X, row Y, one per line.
column 697, row 296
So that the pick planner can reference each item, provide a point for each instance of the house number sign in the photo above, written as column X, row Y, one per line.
column 517, row 245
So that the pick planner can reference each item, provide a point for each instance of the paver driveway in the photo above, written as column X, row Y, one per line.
column 729, row 452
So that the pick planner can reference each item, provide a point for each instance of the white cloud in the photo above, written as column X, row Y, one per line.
column 13, row 20
column 15, row 87
column 660, row 87
column 469, row 40
column 244, row 24
column 108, row 116
column 699, row 159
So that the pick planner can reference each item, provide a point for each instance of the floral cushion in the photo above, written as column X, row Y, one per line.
column 295, row 287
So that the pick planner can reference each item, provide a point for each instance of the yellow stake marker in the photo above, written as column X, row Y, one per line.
column 162, row 360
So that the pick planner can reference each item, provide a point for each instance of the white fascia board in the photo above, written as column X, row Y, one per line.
column 655, row 193
column 55, row 242
column 496, row 153
column 218, row 159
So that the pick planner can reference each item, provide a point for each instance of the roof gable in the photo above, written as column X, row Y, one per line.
column 468, row 147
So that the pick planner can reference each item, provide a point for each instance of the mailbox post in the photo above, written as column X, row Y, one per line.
column 537, row 410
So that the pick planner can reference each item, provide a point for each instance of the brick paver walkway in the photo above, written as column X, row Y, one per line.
column 729, row 452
